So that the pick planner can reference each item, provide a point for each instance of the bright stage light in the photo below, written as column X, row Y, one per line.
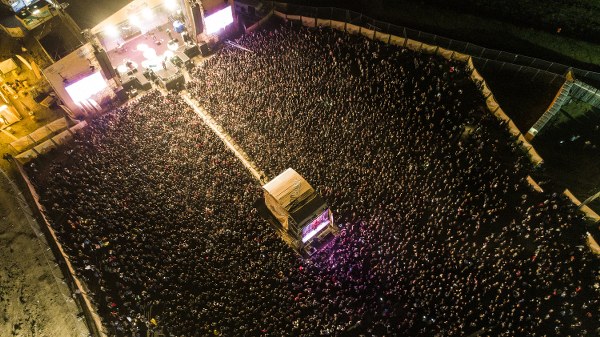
column 171, row 5
column 134, row 20
column 219, row 20
column 122, row 69
column 87, row 87
column 36, row 12
column 111, row 31
column 141, row 47
column 147, row 13
column 315, row 231
column 149, row 54
column 315, row 226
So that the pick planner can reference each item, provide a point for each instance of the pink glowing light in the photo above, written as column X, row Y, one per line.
column 87, row 87
column 315, row 231
column 219, row 20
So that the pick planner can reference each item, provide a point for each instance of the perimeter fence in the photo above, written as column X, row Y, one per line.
column 482, row 57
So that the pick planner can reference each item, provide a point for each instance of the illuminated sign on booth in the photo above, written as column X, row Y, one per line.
column 86, row 87
column 218, row 20
column 315, row 226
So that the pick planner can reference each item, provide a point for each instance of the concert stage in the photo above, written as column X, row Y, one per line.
column 147, row 51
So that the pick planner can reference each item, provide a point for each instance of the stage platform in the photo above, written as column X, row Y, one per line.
column 146, row 50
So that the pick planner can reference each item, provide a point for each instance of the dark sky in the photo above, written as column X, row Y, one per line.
column 88, row 13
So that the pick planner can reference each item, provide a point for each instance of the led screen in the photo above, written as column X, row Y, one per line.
column 219, row 20
column 315, row 226
column 85, row 88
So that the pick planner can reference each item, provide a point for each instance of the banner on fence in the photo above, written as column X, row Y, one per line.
column 353, row 29
column 413, row 45
column 283, row 16
column 367, row 32
column 396, row 40
column 337, row 25
column 323, row 23
column 461, row 57
column 428, row 49
column 445, row 53
column 309, row 22
column 382, row 37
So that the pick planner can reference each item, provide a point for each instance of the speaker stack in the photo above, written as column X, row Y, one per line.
column 192, row 51
column 204, row 49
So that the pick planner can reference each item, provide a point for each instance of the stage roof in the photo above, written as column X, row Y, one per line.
column 122, row 14
column 89, row 13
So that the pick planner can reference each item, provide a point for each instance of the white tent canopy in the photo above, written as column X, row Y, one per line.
column 287, row 187
column 290, row 196
column 7, row 66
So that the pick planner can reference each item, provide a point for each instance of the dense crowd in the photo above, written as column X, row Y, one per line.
column 440, row 232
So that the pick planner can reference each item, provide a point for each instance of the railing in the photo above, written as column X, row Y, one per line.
column 481, row 55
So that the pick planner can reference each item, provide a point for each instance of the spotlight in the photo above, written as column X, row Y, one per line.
column 134, row 20
column 171, row 5
column 111, row 31
column 147, row 13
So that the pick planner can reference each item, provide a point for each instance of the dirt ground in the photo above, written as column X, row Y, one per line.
column 33, row 299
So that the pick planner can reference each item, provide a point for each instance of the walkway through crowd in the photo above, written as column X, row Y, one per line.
column 227, row 140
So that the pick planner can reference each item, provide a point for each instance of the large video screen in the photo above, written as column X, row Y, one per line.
column 86, row 87
column 315, row 226
column 219, row 20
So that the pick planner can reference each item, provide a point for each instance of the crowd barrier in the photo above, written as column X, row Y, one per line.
column 76, row 287
column 584, row 208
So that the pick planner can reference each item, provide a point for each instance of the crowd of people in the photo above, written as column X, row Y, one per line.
column 440, row 232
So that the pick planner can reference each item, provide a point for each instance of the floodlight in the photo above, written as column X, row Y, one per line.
column 36, row 12
column 111, row 31
column 171, row 5
column 149, row 53
column 147, row 13
column 134, row 20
